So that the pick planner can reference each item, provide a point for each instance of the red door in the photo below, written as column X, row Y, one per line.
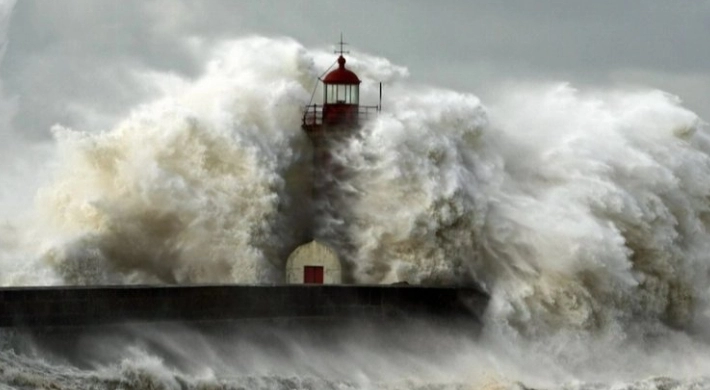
column 313, row 274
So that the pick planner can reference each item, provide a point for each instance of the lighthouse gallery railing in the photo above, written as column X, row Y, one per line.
column 313, row 114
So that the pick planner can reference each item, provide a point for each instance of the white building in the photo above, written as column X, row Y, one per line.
column 313, row 263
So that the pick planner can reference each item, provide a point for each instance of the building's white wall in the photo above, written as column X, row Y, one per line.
column 314, row 254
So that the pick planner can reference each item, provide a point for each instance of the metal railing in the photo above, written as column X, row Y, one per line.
column 313, row 114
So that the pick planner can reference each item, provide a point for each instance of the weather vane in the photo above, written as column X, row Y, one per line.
column 341, row 43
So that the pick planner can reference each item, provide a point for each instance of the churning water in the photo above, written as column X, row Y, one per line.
column 585, row 214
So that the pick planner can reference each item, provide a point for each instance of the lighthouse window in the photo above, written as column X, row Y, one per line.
column 333, row 93
column 329, row 94
column 341, row 93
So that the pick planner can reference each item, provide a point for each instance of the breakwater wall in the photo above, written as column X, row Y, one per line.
column 97, row 305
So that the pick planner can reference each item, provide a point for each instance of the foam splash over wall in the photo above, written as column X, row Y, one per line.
column 614, row 189
column 576, row 210
column 202, row 186
column 416, row 204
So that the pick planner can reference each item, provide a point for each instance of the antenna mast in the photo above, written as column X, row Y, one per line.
column 341, row 43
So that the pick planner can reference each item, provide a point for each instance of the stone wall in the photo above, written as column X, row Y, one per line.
column 70, row 306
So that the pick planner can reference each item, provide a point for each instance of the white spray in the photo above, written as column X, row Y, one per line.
column 583, row 214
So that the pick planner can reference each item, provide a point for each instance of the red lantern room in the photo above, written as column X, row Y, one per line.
column 341, row 96
column 341, row 110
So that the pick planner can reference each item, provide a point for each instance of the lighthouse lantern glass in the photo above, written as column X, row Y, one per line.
column 342, row 94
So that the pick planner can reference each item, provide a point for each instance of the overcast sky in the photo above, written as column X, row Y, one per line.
column 73, row 61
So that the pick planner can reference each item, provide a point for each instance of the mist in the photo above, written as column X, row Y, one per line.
column 582, row 211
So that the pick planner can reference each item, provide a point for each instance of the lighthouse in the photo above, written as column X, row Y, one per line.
column 337, row 117
column 340, row 113
column 328, row 124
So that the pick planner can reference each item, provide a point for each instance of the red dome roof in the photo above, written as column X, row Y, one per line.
column 341, row 75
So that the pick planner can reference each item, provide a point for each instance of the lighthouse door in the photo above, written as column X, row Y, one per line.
column 312, row 274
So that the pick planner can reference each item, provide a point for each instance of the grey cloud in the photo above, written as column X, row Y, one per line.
column 73, row 61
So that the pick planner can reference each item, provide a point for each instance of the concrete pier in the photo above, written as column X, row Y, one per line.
column 97, row 305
